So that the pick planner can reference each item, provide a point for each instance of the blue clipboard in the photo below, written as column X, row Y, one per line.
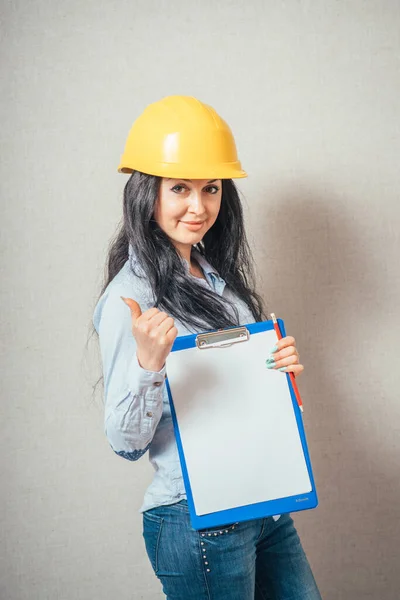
column 197, row 346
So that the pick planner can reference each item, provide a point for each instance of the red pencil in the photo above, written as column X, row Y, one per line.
column 291, row 375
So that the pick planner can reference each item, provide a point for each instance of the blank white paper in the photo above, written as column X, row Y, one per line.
column 237, row 425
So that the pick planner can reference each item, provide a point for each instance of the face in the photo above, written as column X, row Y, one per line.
column 186, row 209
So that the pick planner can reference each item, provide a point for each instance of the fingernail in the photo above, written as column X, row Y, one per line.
column 270, row 359
column 282, row 369
column 271, row 365
column 274, row 349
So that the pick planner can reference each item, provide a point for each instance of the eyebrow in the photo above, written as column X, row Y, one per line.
column 169, row 179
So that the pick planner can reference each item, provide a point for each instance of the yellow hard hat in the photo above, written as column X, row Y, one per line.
column 182, row 138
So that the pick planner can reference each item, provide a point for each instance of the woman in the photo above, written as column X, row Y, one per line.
column 181, row 263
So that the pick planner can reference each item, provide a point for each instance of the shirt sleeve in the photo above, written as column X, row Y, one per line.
column 133, row 396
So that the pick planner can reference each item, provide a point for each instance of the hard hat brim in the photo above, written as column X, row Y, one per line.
column 227, row 171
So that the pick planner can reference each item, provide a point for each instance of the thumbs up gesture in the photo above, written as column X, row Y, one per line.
column 154, row 332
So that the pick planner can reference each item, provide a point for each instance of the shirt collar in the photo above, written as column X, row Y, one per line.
column 204, row 264
column 134, row 261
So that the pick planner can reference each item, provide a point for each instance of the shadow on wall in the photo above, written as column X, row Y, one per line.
column 317, row 264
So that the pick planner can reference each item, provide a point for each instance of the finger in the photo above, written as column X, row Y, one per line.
column 166, row 337
column 172, row 335
column 157, row 318
column 159, row 326
column 295, row 369
column 136, row 311
column 286, row 352
column 286, row 362
column 283, row 362
column 166, row 326
column 285, row 342
column 149, row 314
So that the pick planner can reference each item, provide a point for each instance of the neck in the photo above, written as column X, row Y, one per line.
column 186, row 252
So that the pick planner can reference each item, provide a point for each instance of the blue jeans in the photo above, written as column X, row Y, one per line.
column 252, row 560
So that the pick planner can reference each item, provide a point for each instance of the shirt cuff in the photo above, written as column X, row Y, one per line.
column 140, row 380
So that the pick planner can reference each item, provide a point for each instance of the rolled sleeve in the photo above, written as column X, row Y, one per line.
column 142, row 381
column 133, row 396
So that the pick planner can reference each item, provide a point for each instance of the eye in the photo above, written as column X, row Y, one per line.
column 178, row 188
column 212, row 189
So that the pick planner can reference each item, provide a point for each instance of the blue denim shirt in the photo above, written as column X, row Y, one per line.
column 137, row 415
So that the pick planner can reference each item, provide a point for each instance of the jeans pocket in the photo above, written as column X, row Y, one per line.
column 152, row 528
column 221, row 530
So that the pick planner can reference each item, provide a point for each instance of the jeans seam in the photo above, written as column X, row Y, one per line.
column 203, row 568
column 262, row 530
column 260, row 590
column 157, row 545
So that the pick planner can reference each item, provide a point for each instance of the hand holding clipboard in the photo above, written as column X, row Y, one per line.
column 291, row 375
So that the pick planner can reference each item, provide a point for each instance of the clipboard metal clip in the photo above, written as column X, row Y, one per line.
column 222, row 338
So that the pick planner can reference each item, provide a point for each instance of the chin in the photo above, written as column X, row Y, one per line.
column 191, row 239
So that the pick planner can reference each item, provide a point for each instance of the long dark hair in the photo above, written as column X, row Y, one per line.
column 224, row 246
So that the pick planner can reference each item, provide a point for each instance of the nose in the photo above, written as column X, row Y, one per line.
column 196, row 202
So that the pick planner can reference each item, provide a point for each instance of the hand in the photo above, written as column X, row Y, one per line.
column 286, row 356
column 154, row 332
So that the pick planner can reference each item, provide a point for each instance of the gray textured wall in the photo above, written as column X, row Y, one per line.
column 311, row 90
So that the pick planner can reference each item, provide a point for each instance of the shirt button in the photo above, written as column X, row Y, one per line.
column 149, row 414
column 157, row 383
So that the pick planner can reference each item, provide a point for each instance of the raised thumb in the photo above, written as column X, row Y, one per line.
column 134, row 306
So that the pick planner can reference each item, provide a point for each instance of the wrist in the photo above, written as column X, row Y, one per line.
column 149, row 365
